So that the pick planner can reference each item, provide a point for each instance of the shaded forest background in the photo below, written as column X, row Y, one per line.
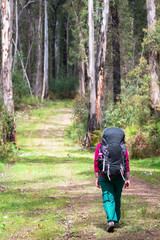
column 51, row 60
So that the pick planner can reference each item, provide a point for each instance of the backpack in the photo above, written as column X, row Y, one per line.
column 112, row 153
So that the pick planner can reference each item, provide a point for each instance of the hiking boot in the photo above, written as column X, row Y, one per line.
column 111, row 226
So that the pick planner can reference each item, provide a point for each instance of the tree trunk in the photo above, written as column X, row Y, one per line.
column 45, row 76
column 28, row 65
column 38, row 89
column 82, row 78
column 100, row 56
column 116, row 53
column 16, row 40
column 92, row 122
column 67, row 46
column 153, row 57
column 53, row 47
column 7, row 91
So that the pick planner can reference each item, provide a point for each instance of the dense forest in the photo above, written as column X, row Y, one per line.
column 102, row 54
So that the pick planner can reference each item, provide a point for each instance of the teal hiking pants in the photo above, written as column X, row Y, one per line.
column 111, row 193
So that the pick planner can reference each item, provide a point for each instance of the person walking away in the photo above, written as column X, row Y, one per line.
column 111, row 166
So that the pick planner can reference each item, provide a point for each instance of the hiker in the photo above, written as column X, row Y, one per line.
column 111, row 166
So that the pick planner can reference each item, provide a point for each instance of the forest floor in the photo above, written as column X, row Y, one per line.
column 48, row 192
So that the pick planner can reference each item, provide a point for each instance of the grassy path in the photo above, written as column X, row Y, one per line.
column 49, row 192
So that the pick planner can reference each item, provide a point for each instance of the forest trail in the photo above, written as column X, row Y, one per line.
column 62, row 172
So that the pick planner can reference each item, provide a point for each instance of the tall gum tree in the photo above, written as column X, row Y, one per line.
column 116, row 51
column 92, row 121
column 92, row 111
column 7, row 90
column 153, row 57
column 45, row 74
column 38, row 89
column 101, row 56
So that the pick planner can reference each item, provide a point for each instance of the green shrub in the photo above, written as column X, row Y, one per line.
column 132, row 113
column 7, row 148
column 152, row 38
column 80, row 116
column 65, row 87
column 133, row 107
column 20, row 88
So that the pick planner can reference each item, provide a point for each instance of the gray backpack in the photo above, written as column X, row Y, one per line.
column 112, row 155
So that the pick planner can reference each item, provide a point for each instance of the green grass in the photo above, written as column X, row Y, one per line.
column 147, row 169
column 50, row 193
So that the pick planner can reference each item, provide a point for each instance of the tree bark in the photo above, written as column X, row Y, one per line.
column 45, row 76
column 153, row 57
column 100, row 56
column 92, row 122
column 7, row 90
column 38, row 88
column 82, row 78
column 16, row 39
column 7, row 18
column 67, row 46
column 116, row 53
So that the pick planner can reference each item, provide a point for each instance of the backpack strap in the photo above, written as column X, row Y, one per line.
column 105, row 158
column 123, row 151
column 122, row 171
column 108, row 172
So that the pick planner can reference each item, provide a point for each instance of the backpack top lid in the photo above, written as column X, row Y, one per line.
column 113, row 135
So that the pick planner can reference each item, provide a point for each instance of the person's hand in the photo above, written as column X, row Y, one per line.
column 97, row 183
column 127, row 184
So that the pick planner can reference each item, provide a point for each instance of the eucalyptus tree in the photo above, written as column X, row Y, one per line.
column 45, row 72
column 153, row 56
column 38, row 86
column 101, row 56
column 116, row 51
column 92, row 121
column 6, row 71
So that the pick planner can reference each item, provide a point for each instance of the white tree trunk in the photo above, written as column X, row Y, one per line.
column 153, row 58
column 16, row 39
column 92, row 117
column 101, row 55
column 45, row 76
column 82, row 78
column 7, row 21
column 7, row 90
column 38, row 88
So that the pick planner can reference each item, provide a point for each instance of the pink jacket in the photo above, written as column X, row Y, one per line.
column 96, row 169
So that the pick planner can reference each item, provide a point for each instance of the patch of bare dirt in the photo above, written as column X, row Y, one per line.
column 145, row 235
column 141, row 189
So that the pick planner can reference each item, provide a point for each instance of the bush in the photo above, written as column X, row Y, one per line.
column 80, row 116
column 134, row 106
column 20, row 88
column 132, row 113
column 65, row 87
column 7, row 149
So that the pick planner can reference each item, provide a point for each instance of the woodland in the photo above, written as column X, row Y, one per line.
column 102, row 54
column 69, row 69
